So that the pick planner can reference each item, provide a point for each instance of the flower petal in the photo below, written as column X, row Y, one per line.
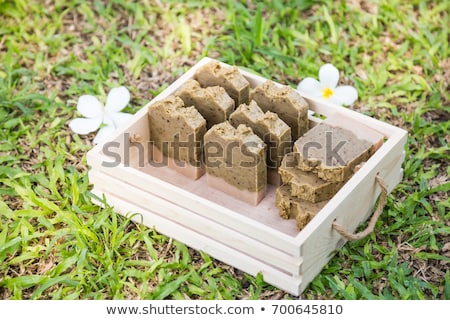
column 119, row 118
column 103, row 134
column 344, row 95
column 328, row 76
column 118, row 99
column 89, row 106
column 310, row 86
column 85, row 126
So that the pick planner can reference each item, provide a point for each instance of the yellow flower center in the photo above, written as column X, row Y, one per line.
column 327, row 92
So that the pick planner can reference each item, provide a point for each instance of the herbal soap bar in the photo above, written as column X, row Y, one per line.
column 269, row 127
column 286, row 102
column 235, row 161
column 291, row 207
column 360, row 130
column 213, row 103
column 177, row 133
column 213, row 74
column 331, row 152
column 306, row 185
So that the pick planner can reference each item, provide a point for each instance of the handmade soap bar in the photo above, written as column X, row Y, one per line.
column 235, row 161
column 306, row 185
column 177, row 132
column 360, row 130
column 286, row 102
column 291, row 207
column 331, row 152
column 213, row 74
column 213, row 103
column 269, row 127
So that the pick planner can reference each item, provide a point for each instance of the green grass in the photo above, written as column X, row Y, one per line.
column 56, row 244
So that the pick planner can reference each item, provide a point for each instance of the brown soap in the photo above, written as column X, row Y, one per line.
column 286, row 102
column 291, row 207
column 306, row 185
column 213, row 103
column 360, row 130
column 235, row 161
column 214, row 74
column 331, row 152
column 177, row 132
column 269, row 127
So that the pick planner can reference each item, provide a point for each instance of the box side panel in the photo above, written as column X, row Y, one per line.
column 197, row 223
column 199, row 242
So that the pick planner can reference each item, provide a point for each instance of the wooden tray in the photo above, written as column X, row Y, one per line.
column 253, row 239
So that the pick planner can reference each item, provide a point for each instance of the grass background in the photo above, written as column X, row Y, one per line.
column 56, row 244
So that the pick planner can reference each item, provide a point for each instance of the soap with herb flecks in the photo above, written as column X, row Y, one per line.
column 286, row 102
column 331, row 151
column 291, row 207
column 177, row 133
column 269, row 127
column 214, row 74
column 306, row 185
column 235, row 160
column 213, row 103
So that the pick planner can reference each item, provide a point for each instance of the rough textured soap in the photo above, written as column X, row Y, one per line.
column 306, row 185
column 214, row 74
column 291, row 207
column 360, row 130
column 213, row 103
column 331, row 152
column 286, row 102
column 235, row 161
column 177, row 131
column 269, row 127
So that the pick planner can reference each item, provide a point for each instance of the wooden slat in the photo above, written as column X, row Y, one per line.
column 199, row 242
column 197, row 223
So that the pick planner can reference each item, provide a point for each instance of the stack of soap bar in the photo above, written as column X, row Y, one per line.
column 303, row 194
column 177, row 133
column 323, row 160
column 291, row 207
column 333, row 152
column 269, row 127
column 286, row 102
column 214, row 74
column 235, row 161
column 306, row 185
column 213, row 103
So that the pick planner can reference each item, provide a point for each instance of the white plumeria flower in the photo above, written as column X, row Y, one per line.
column 327, row 87
column 96, row 115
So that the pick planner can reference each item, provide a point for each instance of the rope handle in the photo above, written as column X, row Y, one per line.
column 357, row 236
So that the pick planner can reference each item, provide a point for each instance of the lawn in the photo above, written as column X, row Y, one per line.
column 56, row 244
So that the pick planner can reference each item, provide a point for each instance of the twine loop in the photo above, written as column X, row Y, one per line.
column 369, row 229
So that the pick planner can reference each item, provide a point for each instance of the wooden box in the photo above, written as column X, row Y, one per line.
column 253, row 239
